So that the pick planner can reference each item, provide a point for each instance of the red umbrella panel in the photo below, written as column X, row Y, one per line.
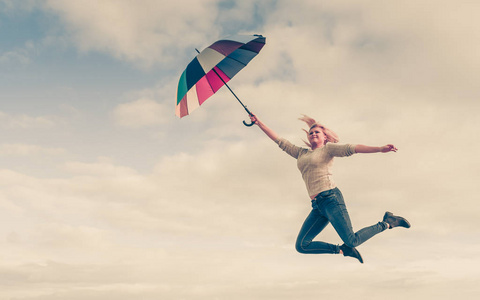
column 213, row 68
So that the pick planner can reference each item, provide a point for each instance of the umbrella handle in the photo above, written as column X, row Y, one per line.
column 248, row 125
column 249, row 113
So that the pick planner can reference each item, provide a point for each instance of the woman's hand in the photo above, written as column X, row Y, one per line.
column 370, row 149
column 389, row 148
column 254, row 119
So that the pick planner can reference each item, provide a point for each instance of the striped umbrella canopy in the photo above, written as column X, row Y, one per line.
column 213, row 68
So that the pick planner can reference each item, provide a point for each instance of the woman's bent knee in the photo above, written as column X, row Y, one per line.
column 300, row 248
column 352, row 243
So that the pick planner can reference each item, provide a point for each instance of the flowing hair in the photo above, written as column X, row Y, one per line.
column 332, row 137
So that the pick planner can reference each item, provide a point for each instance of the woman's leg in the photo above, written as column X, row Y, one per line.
column 312, row 226
column 333, row 207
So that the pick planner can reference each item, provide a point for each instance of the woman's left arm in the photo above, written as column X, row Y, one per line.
column 370, row 149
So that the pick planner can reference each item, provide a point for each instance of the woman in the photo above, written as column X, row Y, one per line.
column 328, row 205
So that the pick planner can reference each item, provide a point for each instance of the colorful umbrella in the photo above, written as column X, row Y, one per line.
column 213, row 68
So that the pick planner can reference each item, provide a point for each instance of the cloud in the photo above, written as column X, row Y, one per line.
column 146, row 34
column 28, row 150
column 198, row 212
column 13, row 57
column 140, row 113
column 10, row 5
column 340, row 48
column 24, row 121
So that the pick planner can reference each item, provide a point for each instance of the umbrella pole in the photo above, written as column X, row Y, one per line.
column 246, row 109
column 244, row 106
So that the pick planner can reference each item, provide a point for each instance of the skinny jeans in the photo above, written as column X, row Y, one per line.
column 329, row 207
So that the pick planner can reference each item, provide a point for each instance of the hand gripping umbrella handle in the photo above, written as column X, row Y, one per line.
column 248, row 125
column 249, row 114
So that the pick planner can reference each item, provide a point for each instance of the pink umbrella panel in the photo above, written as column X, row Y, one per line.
column 224, row 58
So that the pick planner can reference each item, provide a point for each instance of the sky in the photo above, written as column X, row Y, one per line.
column 106, row 194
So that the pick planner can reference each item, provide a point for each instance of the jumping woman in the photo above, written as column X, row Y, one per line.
column 328, row 205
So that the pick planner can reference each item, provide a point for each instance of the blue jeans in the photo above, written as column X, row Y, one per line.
column 329, row 207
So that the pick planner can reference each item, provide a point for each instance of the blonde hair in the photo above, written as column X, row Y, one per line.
column 332, row 137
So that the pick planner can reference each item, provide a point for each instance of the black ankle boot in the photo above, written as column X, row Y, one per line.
column 351, row 251
column 395, row 221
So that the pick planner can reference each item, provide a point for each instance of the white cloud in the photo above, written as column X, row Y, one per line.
column 140, row 113
column 183, row 223
column 343, row 46
column 28, row 150
column 11, row 5
column 143, row 34
column 24, row 121
column 14, row 57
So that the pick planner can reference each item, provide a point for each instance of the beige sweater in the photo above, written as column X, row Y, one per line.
column 315, row 164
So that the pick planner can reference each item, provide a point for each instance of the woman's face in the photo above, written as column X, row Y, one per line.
column 316, row 137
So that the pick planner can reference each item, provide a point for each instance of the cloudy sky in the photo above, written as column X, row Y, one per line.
column 106, row 194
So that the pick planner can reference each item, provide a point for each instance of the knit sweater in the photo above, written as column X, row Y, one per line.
column 315, row 165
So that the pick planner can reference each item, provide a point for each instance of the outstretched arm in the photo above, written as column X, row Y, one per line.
column 370, row 149
column 269, row 132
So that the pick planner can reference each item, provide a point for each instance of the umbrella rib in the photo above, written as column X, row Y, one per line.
column 240, row 61
column 236, row 61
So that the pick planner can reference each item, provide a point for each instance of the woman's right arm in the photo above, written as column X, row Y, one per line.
column 269, row 132
column 285, row 145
